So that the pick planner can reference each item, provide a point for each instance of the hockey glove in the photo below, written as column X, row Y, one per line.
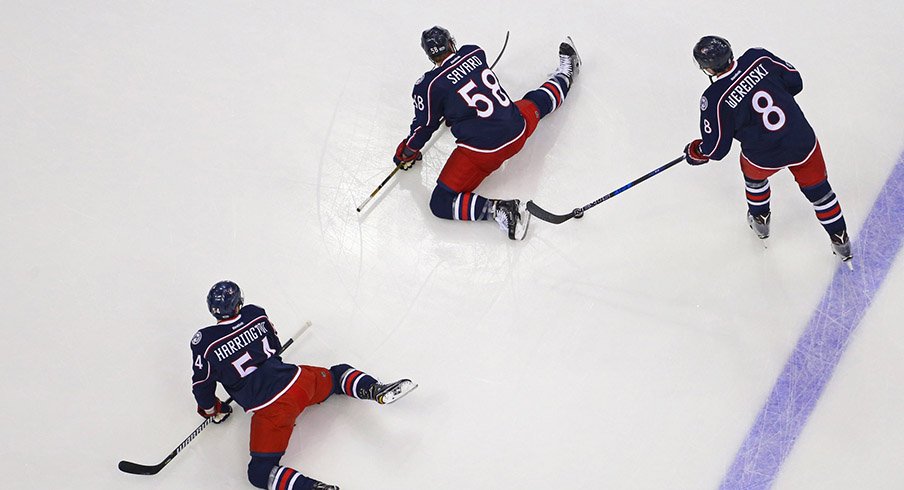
column 217, row 413
column 405, row 156
column 693, row 155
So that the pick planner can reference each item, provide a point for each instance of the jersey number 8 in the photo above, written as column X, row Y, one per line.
column 481, row 102
column 767, row 110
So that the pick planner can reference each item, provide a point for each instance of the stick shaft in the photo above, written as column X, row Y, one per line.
column 633, row 183
column 561, row 218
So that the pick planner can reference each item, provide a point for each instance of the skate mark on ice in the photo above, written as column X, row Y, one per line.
column 411, row 304
column 819, row 349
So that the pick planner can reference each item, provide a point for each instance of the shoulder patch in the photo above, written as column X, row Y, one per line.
column 196, row 339
column 703, row 103
column 419, row 80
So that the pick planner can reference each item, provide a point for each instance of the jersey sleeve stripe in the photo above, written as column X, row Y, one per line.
column 203, row 380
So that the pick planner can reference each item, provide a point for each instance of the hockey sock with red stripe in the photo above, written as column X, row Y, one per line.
column 826, row 206
column 464, row 206
column 285, row 478
column 758, row 195
column 550, row 95
column 352, row 382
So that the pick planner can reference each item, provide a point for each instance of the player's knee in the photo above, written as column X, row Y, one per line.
column 817, row 192
column 441, row 202
column 541, row 101
column 337, row 371
column 259, row 469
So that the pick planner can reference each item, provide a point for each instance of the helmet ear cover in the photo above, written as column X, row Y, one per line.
column 713, row 53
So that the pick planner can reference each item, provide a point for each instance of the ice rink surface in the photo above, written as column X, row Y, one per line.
column 152, row 148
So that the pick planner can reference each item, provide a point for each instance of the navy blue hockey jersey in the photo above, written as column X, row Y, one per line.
column 240, row 353
column 466, row 91
column 754, row 103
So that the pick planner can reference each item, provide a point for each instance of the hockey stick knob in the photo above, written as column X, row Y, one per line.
column 578, row 213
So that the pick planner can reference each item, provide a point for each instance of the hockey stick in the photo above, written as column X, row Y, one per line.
column 140, row 469
column 579, row 212
column 396, row 169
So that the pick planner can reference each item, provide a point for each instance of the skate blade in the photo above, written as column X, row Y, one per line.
column 394, row 395
column 525, row 220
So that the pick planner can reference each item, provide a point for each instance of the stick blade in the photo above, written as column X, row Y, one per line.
column 138, row 469
column 545, row 215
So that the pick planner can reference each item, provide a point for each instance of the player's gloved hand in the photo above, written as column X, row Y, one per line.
column 693, row 155
column 218, row 413
column 405, row 156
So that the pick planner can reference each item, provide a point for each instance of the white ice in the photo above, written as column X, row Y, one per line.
column 152, row 148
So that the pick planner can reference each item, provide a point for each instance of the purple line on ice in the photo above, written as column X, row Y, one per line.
column 823, row 342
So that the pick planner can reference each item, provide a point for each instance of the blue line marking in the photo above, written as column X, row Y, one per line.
column 819, row 349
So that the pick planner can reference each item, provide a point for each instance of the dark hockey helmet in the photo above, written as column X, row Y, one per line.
column 714, row 53
column 437, row 41
column 224, row 298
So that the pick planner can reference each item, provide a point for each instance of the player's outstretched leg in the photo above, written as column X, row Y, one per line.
column 512, row 216
column 357, row 384
column 463, row 206
column 552, row 93
column 828, row 212
column 758, row 215
column 264, row 471
column 285, row 478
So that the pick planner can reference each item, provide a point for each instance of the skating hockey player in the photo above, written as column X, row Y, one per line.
column 751, row 99
column 488, row 125
column 239, row 352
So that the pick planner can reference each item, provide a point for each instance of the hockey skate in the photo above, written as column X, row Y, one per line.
column 759, row 224
column 323, row 486
column 513, row 217
column 841, row 246
column 388, row 393
column 569, row 61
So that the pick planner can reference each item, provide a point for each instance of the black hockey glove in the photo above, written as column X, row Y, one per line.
column 218, row 413
column 405, row 156
column 693, row 155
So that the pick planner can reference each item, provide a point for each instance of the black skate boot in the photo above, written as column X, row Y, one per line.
column 841, row 246
column 513, row 217
column 569, row 61
column 759, row 224
column 323, row 486
column 388, row 393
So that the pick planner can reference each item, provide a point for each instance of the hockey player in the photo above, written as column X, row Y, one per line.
column 239, row 352
column 751, row 99
column 488, row 126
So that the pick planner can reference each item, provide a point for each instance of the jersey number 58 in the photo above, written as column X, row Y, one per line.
column 480, row 102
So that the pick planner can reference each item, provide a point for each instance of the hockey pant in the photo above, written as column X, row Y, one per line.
column 453, row 196
column 811, row 177
column 272, row 426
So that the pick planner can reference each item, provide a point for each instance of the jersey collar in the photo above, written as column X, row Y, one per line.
column 731, row 69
